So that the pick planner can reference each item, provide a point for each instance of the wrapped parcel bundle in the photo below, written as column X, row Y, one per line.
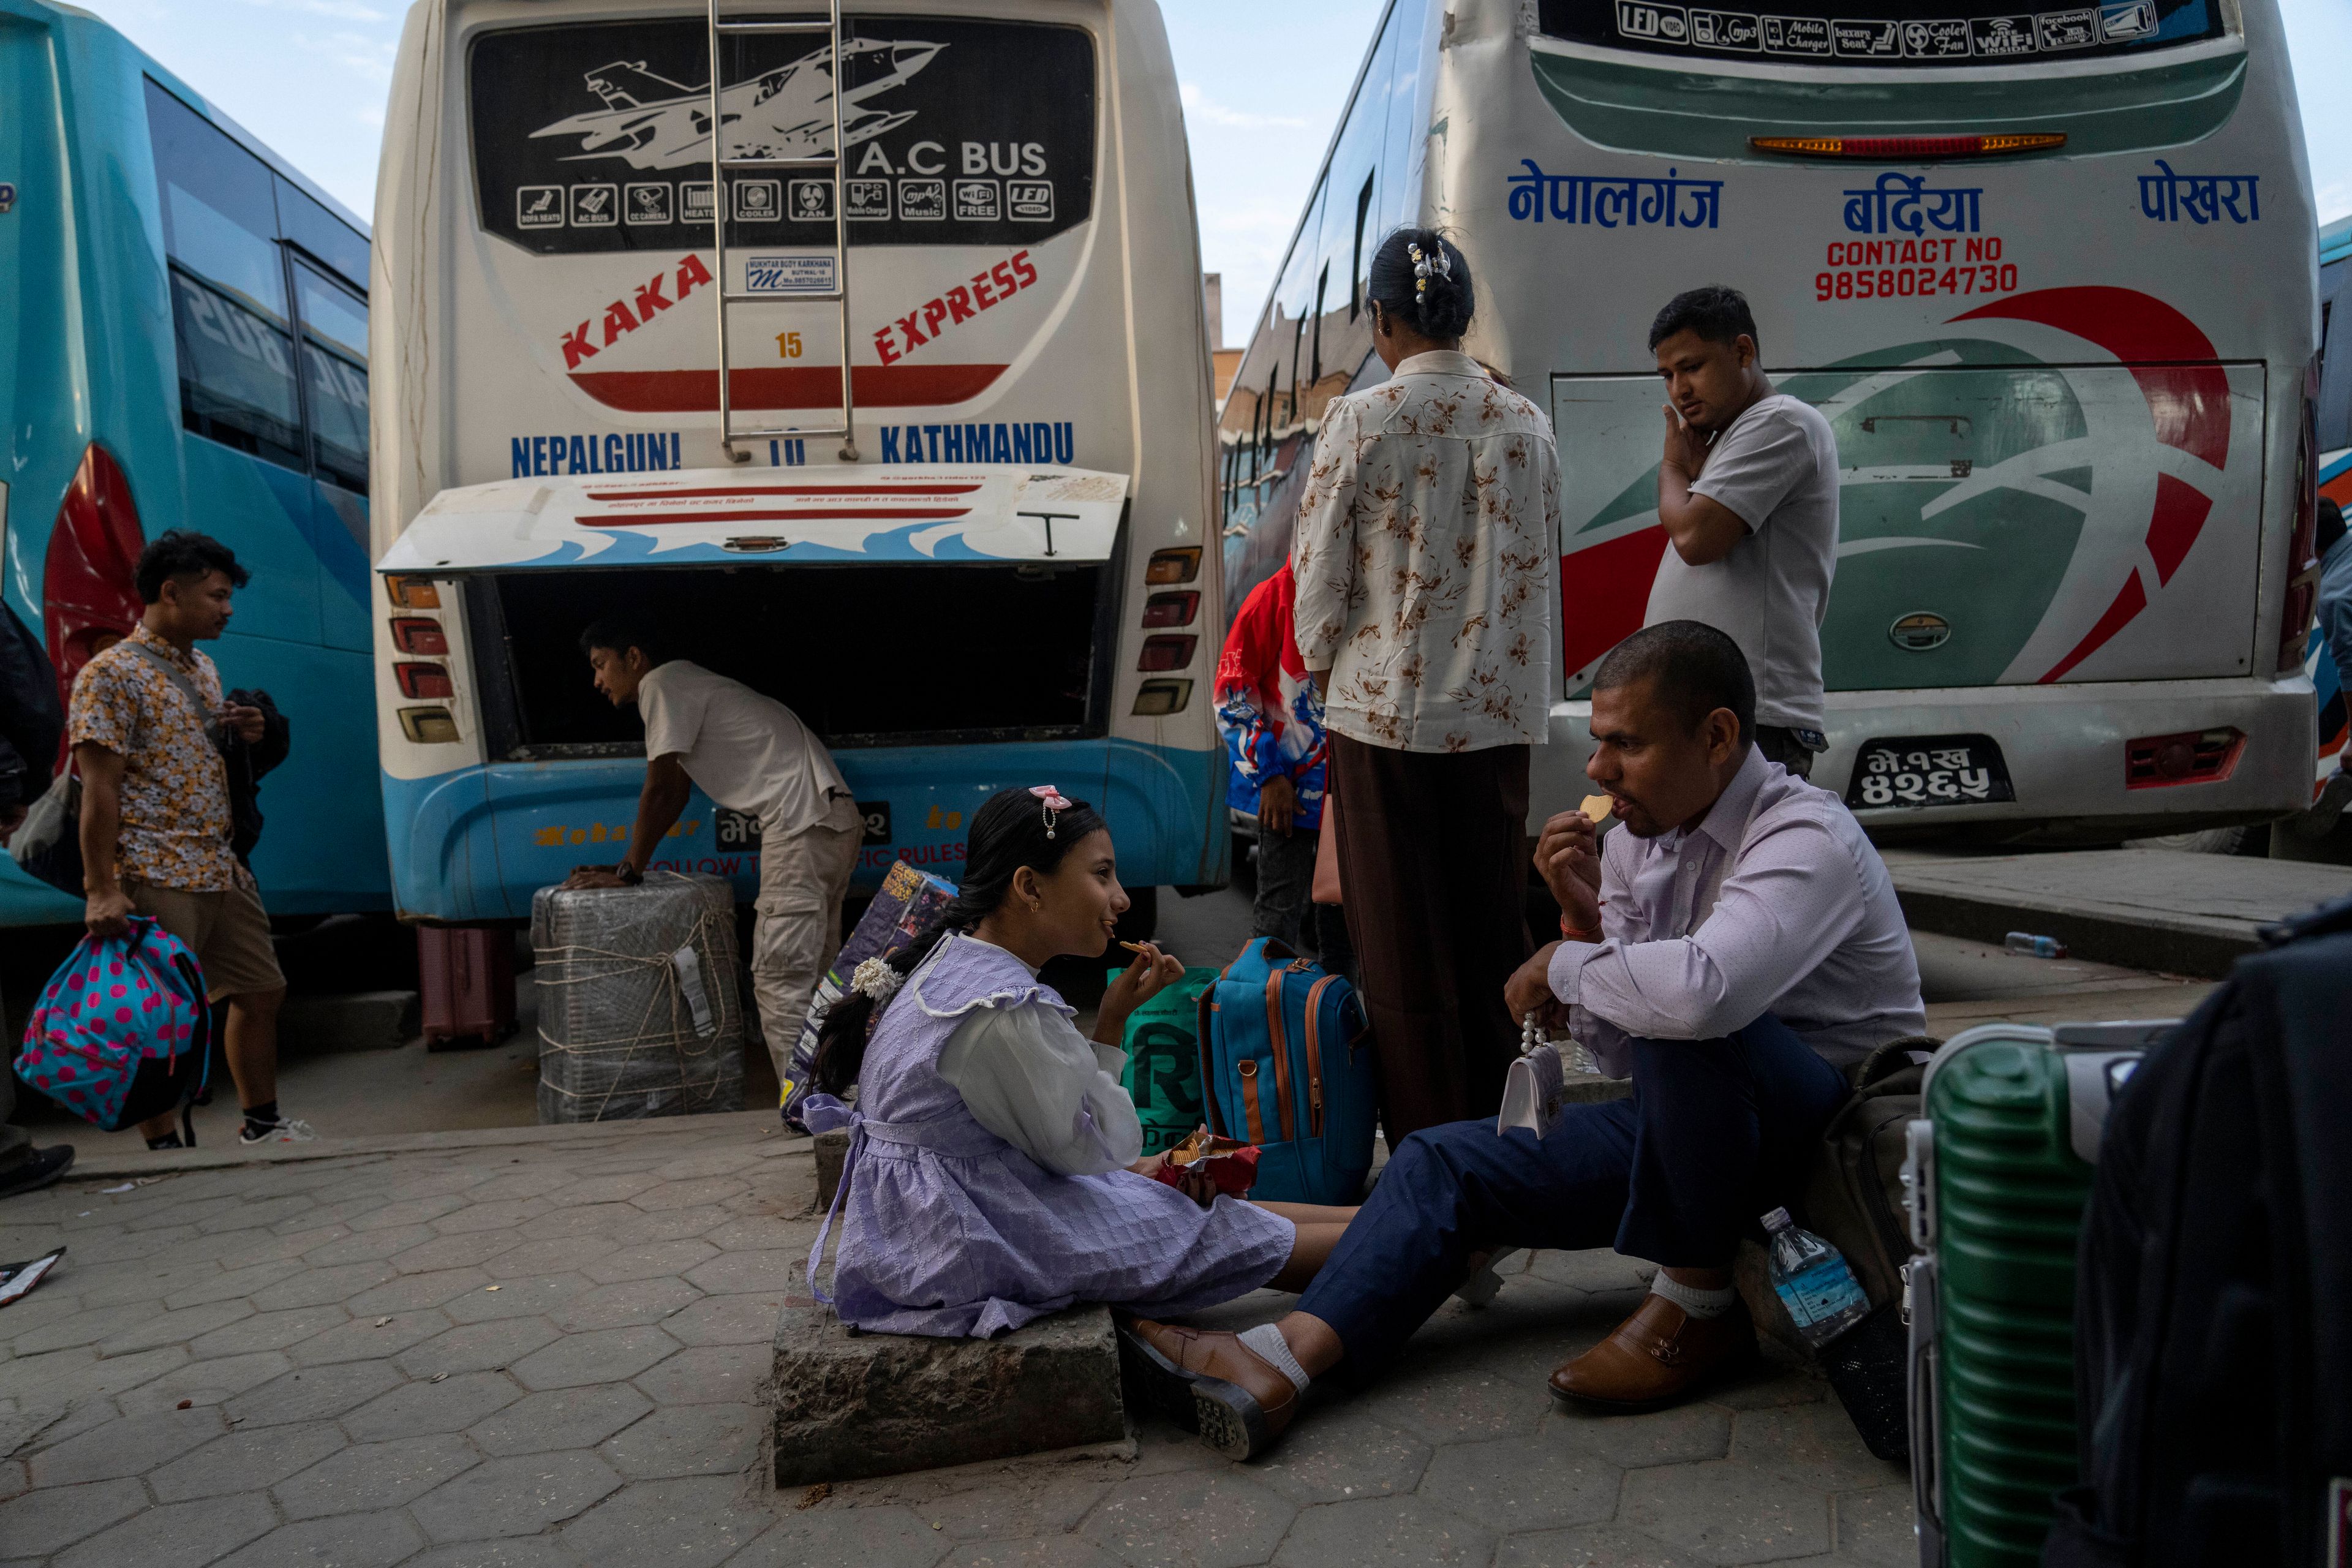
column 908, row 902
column 638, row 1011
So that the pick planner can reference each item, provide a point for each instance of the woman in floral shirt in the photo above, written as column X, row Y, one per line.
column 1426, row 557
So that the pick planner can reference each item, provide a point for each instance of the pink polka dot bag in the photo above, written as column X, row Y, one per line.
column 122, row 1032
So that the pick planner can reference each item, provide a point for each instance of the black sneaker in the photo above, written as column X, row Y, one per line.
column 36, row 1171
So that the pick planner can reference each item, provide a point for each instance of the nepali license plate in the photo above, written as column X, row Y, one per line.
column 1919, row 771
column 737, row 829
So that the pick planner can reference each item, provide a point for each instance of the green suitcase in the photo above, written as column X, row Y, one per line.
column 1998, row 1171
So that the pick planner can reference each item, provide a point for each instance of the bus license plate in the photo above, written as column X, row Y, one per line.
column 737, row 830
column 1919, row 771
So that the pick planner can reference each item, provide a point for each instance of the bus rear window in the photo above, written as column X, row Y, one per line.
column 866, row 655
column 1883, row 32
column 596, row 136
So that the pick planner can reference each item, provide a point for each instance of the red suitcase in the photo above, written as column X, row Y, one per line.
column 466, row 974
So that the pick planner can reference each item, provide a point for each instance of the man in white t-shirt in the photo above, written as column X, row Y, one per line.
column 749, row 754
column 1749, row 492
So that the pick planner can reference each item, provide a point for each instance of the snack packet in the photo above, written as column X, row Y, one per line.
column 1231, row 1165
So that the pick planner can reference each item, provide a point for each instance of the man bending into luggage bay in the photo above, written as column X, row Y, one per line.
column 1734, row 948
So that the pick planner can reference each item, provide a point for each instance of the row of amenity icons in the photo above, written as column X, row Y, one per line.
column 1997, row 38
column 657, row 203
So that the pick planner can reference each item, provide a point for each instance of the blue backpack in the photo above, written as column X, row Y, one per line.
column 122, row 1031
column 1287, row 1064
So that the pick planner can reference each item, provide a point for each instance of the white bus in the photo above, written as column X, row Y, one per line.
column 968, row 549
column 2051, row 276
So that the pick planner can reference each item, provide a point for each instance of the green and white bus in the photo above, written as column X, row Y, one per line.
column 2051, row 276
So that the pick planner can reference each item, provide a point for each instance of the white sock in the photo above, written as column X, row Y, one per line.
column 1697, row 1303
column 1267, row 1341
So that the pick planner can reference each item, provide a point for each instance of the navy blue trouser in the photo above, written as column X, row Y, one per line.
column 1717, row 1132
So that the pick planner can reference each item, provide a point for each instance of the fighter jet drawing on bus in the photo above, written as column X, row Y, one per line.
column 657, row 124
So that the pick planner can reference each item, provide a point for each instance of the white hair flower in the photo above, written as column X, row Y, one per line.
column 877, row 979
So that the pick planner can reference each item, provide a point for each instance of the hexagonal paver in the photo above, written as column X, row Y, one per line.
column 212, row 1381
column 176, row 1535
column 688, row 1523
column 317, row 1286
column 550, row 1255
column 1676, row 1436
column 346, row 1540
column 79, row 1329
column 412, row 1293
column 602, row 1355
column 367, row 1246
column 687, row 1440
column 73, row 1378
column 630, row 1301
column 370, row 1476
column 416, row 1409
column 1021, row 1504
column 514, row 1552
column 369, row 1338
column 320, row 1393
column 254, row 1213
column 709, row 1375
column 614, row 1189
column 1812, row 1443
column 567, row 1418
column 1598, row 1546
column 727, row 1320
column 835, row 1537
column 650, row 1260
column 129, row 1446
column 245, row 1461
column 1189, row 1520
column 167, row 1327
column 1337, row 1451
column 665, row 1225
column 467, row 1250
column 540, row 1294
column 1724, row 1511
column 501, row 1216
column 672, row 1196
column 517, row 1496
column 1457, row 1406
column 409, row 1211
column 544, row 1181
column 1409, row 1533
column 269, row 1330
column 1876, row 1527
column 477, row 1347
column 56, row 1516
column 733, row 1273
column 235, row 1284
column 1522, row 1483
column 587, row 1219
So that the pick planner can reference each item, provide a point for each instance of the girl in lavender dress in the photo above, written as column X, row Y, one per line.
column 992, row 1175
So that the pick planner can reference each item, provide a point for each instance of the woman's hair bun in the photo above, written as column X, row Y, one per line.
column 1421, row 279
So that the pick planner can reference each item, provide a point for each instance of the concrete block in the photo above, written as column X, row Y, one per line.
column 353, row 1021
column 848, row 1405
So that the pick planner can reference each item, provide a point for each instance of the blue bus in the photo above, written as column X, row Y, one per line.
column 186, row 321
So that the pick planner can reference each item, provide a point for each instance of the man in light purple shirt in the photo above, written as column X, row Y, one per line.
column 1733, row 949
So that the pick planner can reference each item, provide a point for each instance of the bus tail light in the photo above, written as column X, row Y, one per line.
column 89, row 587
column 2302, row 564
column 1910, row 149
column 2193, row 756
column 1158, row 699
column 1170, row 609
column 414, row 634
column 413, row 593
column 423, row 680
column 1179, row 566
column 429, row 726
column 1166, row 652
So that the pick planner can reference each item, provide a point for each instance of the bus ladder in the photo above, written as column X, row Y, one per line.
column 721, row 201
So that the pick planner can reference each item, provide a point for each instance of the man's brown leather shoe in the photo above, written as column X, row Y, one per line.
column 1208, row 1382
column 1655, row 1357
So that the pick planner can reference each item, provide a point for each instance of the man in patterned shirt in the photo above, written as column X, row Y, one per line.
column 155, row 819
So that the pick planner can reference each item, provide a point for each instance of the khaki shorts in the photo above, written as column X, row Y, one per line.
column 227, row 931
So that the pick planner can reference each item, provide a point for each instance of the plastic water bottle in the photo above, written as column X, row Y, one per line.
column 1813, row 1281
column 2025, row 944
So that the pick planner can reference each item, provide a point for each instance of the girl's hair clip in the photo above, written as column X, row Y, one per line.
column 1055, row 805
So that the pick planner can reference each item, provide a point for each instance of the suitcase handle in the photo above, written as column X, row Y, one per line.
column 1919, row 1376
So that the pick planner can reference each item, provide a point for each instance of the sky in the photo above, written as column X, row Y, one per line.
column 1263, row 83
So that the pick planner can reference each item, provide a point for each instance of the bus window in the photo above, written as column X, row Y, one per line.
column 229, row 286
column 334, row 377
column 322, row 233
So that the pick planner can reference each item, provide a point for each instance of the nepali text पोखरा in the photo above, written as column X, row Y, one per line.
column 2168, row 197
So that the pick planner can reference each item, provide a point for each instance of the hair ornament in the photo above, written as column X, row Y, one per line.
column 1055, row 805
column 1419, row 267
column 877, row 980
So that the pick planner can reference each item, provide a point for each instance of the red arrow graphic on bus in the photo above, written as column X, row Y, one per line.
column 2188, row 397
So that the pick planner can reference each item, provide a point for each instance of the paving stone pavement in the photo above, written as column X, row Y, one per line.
column 548, row 1354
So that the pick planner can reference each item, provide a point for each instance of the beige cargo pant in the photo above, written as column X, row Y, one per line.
column 797, row 923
